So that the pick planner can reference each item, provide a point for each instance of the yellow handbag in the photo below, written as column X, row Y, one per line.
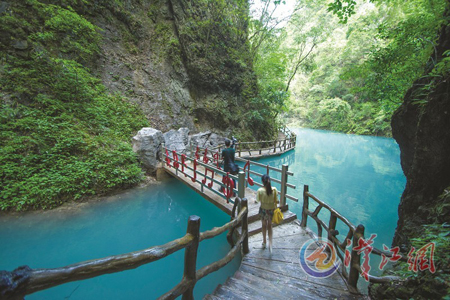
column 277, row 216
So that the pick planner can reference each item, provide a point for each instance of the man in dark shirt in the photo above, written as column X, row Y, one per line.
column 228, row 156
column 228, row 159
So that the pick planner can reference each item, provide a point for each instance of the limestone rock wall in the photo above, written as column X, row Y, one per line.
column 165, row 57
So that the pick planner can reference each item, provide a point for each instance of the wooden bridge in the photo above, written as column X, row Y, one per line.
column 262, row 274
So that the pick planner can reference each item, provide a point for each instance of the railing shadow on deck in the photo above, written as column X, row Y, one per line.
column 354, row 238
column 24, row 280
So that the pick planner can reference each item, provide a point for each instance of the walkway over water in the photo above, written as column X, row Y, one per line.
column 262, row 274
column 254, row 225
column 253, row 150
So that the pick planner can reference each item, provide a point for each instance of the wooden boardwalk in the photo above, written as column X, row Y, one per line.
column 254, row 223
column 281, row 148
column 278, row 275
column 264, row 274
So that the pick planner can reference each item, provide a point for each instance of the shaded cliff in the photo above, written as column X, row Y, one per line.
column 184, row 63
column 421, row 127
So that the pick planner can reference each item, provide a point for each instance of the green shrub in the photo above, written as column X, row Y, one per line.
column 62, row 136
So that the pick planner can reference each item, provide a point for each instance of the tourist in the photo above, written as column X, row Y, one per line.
column 228, row 158
column 267, row 196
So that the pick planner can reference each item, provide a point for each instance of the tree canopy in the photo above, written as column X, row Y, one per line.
column 360, row 66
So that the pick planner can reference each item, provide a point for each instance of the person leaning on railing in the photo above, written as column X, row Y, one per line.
column 267, row 196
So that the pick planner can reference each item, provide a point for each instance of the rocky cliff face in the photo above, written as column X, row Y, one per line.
column 421, row 128
column 184, row 63
column 70, row 69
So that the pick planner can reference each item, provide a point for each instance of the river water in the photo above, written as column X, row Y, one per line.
column 359, row 176
column 132, row 221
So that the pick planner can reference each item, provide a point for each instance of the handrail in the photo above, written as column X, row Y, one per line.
column 24, row 280
column 354, row 234
column 212, row 159
column 285, row 144
column 179, row 166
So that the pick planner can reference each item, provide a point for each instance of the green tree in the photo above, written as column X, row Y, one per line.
column 407, row 37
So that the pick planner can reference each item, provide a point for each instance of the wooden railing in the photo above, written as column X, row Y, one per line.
column 200, row 155
column 287, row 132
column 24, row 280
column 354, row 235
column 210, row 165
column 283, row 182
column 283, row 145
column 287, row 143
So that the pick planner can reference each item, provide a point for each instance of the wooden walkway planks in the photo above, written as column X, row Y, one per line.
column 265, row 275
column 278, row 275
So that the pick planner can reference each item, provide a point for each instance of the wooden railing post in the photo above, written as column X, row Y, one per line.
column 190, row 256
column 332, row 226
column 355, row 261
column 284, row 179
column 305, row 206
column 244, row 204
column 241, row 184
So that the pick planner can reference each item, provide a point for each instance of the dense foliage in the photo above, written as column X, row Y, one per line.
column 213, row 39
column 366, row 64
column 423, row 216
column 422, row 284
column 62, row 136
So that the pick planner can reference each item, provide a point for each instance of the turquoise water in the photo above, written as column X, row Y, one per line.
column 132, row 221
column 359, row 176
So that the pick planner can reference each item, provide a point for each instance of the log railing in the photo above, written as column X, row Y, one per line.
column 283, row 181
column 287, row 132
column 284, row 144
column 354, row 235
column 24, row 280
